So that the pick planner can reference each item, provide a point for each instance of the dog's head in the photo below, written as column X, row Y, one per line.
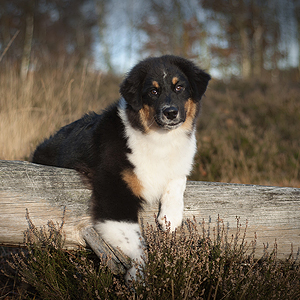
column 165, row 92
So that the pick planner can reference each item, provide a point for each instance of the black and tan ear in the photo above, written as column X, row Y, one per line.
column 131, row 87
column 198, row 78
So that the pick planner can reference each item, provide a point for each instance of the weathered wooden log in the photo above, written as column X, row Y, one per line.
column 48, row 193
column 272, row 212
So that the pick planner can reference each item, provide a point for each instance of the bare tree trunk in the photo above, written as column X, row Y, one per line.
column 298, row 20
column 27, row 42
column 100, row 10
column 80, row 40
column 297, row 16
column 246, row 56
column 5, row 29
column 258, row 51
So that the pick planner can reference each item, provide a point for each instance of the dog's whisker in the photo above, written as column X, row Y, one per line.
column 151, row 122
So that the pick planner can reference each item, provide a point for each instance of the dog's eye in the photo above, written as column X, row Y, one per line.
column 154, row 92
column 178, row 88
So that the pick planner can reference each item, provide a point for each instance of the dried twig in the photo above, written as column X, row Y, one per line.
column 8, row 45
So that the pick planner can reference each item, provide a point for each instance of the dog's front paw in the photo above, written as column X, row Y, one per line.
column 171, row 209
column 170, row 220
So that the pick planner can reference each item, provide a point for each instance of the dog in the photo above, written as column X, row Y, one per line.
column 139, row 150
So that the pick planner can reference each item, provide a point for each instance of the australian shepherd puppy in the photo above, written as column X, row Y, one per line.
column 138, row 150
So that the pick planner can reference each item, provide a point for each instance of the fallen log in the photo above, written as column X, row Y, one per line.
column 273, row 213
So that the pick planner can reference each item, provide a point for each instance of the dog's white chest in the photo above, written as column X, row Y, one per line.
column 159, row 157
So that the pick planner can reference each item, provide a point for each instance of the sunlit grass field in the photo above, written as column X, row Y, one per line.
column 248, row 132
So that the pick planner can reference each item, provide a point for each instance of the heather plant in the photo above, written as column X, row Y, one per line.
column 55, row 273
column 194, row 262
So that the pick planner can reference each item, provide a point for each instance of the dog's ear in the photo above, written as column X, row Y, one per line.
column 131, row 87
column 197, row 77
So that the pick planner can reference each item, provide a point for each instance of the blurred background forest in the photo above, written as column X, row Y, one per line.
column 62, row 58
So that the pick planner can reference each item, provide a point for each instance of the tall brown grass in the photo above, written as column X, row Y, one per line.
column 248, row 131
column 33, row 109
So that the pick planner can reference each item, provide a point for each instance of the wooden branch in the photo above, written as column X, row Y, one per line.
column 117, row 262
column 272, row 212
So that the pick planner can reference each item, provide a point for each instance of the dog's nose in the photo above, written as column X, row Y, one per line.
column 170, row 112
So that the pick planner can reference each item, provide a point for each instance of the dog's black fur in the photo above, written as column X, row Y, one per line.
column 95, row 146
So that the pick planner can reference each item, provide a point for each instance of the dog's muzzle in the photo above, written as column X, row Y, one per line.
column 169, row 118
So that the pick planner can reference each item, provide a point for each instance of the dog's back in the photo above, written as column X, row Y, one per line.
column 68, row 148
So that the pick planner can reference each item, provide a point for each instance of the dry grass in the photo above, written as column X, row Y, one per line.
column 31, row 110
column 248, row 131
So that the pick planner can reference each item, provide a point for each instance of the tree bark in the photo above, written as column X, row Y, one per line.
column 245, row 53
column 258, row 52
column 27, row 41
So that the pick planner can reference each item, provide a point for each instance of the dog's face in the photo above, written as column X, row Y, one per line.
column 164, row 93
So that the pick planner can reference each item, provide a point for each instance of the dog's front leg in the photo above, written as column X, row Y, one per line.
column 127, row 237
column 171, row 209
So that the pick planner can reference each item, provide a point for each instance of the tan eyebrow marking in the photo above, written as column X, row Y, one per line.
column 155, row 84
column 175, row 80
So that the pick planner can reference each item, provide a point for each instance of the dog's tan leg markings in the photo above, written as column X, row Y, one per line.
column 155, row 84
column 132, row 181
column 174, row 80
column 191, row 109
